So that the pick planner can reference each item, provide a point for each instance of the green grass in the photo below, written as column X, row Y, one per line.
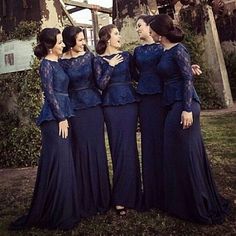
column 219, row 133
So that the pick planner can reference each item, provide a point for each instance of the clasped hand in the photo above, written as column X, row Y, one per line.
column 63, row 128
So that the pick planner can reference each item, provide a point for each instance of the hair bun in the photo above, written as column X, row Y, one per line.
column 40, row 50
column 175, row 35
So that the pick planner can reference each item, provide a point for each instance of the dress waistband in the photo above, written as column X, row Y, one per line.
column 82, row 88
column 119, row 83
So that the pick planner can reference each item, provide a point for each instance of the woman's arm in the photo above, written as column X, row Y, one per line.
column 183, row 60
column 103, row 77
column 46, row 74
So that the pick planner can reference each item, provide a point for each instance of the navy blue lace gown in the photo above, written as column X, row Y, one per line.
column 54, row 204
column 151, row 118
column 88, row 136
column 121, row 112
column 189, row 189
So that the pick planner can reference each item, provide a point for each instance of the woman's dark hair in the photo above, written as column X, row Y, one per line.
column 163, row 25
column 47, row 39
column 146, row 18
column 104, row 35
column 69, row 36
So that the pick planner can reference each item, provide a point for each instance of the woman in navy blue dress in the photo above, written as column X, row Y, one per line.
column 54, row 204
column 151, row 114
column 114, row 71
column 87, row 125
column 189, row 189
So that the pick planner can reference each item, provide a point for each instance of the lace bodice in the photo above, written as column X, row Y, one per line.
column 146, row 58
column 116, row 82
column 55, row 88
column 82, row 86
column 175, row 70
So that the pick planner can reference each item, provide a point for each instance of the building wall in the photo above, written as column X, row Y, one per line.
column 14, row 11
column 51, row 13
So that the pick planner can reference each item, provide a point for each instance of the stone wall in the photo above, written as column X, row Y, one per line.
column 12, row 12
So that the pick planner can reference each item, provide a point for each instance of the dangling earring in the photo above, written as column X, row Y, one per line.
column 159, row 39
column 109, row 42
column 50, row 51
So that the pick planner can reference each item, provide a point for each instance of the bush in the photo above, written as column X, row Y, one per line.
column 20, row 100
column 20, row 142
column 25, row 30
column 230, row 63
column 21, row 146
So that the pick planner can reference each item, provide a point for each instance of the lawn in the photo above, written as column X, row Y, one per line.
column 219, row 132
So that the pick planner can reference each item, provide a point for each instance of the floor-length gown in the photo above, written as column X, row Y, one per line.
column 121, row 112
column 189, row 189
column 88, row 135
column 54, row 204
column 151, row 118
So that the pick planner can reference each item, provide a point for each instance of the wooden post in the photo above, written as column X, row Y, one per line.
column 95, row 26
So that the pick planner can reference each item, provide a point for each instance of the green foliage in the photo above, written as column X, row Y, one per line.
column 25, row 30
column 29, row 99
column 203, row 83
column 20, row 142
column 20, row 100
column 230, row 63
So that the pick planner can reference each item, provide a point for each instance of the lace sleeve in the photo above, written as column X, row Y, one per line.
column 102, row 77
column 184, row 63
column 46, row 74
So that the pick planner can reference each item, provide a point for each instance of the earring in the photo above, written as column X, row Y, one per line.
column 50, row 51
column 109, row 42
column 159, row 39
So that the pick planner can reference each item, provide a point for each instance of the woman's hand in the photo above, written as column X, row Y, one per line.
column 63, row 128
column 186, row 119
column 114, row 60
column 196, row 69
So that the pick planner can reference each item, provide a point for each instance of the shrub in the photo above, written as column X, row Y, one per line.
column 20, row 142
column 230, row 63
column 21, row 146
column 20, row 100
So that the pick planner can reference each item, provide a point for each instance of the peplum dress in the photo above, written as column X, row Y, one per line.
column 88, row 136
column 189, row 188
column 54, row 204
column 151, row 118
column 119, row 101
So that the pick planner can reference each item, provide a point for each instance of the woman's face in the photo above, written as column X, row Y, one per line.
column 58, row 47
column 142, row 29
column 80, row 42
column 154, row 35
column 115, row 39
